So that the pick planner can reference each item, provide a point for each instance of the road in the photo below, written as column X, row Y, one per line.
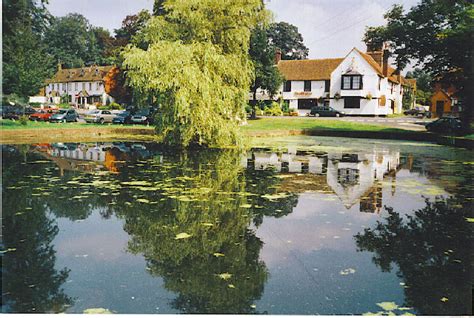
column 411, row 123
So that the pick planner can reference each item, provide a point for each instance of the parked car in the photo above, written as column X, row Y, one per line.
column 447, row 125
column 325, row 111
column 42, row 115
column 15, row 112
column 143, row 116
column 124, row 117
column 64, row 115
column 418, row 112
column 99, row 116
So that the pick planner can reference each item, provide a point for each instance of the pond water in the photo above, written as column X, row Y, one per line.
column 300, row 225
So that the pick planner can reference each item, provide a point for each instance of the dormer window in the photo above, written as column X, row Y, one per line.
column 351, row 82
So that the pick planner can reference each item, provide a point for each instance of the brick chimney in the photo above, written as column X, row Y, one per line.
column 377, row 56
column 385, row 62
column 277, row 56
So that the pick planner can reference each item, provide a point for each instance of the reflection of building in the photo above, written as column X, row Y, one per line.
column 353, row 177
column 101, row 156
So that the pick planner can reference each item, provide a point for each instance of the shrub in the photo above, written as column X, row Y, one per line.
column 23, row 120
column 35, row 105
column 274, row 110
column 285, row 106
column 114, row 105
column 248, row 109
column 259, row 112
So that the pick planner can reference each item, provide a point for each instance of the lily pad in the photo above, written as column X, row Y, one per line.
column 181, row 236
column 388, row 306
column 224, row 276
column 95, row 311
column 218, row 255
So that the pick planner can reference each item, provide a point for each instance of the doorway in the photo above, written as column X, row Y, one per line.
column 439, row 108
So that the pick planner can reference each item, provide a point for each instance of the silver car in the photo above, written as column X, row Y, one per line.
column 99, row 116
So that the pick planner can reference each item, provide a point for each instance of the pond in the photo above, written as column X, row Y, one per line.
column 297, row 225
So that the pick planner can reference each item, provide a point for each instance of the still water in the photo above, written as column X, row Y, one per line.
column 300, row 225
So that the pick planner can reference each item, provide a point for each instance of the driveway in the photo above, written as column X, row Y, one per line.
column 408, row 122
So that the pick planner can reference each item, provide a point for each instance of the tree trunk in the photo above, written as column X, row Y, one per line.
column 254, row 104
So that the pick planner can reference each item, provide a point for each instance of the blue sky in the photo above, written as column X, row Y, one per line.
column 330, row 28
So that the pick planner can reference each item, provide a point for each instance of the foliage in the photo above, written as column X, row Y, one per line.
column 286, row 37
column 132, row 29
column 437, row 34
column 23, row 120
column 71, row 40
column 266, row 76
column 115, row 85
column 25, row 61
column 432, row 251
column 274, row 110
column 197, row 62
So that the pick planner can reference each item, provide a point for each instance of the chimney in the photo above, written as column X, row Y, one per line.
column 60, row 66
column 377, row 56
column 385, row 62
column 277, row 56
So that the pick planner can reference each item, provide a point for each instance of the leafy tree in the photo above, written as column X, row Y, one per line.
column 437, row 34
column 432, row 250
column 266, row 75
column 72, row 41
column 159, row 7
column 286, row 37
column 198, row 62
column 115, row 86
column 107, row 46
column 131, row 27
column 25, row 61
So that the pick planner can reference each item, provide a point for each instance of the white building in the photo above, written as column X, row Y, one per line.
column 358, row 84
column 81, row 86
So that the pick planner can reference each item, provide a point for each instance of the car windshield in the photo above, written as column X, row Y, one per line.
column 62, row 111
column 123, row 114
column 93, row 112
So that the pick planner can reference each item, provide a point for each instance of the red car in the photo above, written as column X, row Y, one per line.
column 42, row 115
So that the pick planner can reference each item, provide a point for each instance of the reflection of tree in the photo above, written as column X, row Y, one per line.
column 432, row 250
column 30, row 282
column 204, row 197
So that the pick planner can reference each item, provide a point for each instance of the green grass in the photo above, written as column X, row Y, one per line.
column 10, row 124
column 279, row 124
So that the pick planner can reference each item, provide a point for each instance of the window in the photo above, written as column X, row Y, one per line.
column 96, row 86
column 307, row 86
column 287, row 86
column 327, row 85
column 90, row 86
column 380, row 82
column 351, row 82
column 83, row 85
column 351, row 102
column 76, row 86
column 307, row 103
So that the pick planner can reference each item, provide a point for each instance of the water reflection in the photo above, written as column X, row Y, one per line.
column 30, row 282
column 193, row 217
column 433, row 252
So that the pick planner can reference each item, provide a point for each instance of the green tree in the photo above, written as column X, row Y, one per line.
column 132, row 28
column 287, row 38
column 266, row 75
column 432, row 250
column 437, row 35
column 26, row 63
column 72, row 41
column 198, row 62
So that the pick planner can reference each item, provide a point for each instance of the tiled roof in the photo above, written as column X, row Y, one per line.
column 309, row 70
column 83, row 74
column 371, row 61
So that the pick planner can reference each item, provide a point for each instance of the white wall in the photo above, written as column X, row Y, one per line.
column 297, row 92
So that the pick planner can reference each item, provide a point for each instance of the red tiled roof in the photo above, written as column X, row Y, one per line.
column 309, row 70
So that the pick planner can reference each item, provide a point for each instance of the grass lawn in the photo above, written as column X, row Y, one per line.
column 10, row 124
column 279, row 124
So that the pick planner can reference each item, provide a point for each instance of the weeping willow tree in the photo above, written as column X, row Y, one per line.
column 197, row 63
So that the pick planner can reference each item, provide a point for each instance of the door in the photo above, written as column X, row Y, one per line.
column 439, row 108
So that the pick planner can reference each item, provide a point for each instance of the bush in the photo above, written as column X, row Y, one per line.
column 259, row 112
column 274, row 110
column 114, row 105
column 285, row 107
column 248, row 109
column 35, row 105
column 64, row 105
column 23, row 120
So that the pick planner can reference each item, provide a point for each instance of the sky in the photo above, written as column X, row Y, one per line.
column 330, row 28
